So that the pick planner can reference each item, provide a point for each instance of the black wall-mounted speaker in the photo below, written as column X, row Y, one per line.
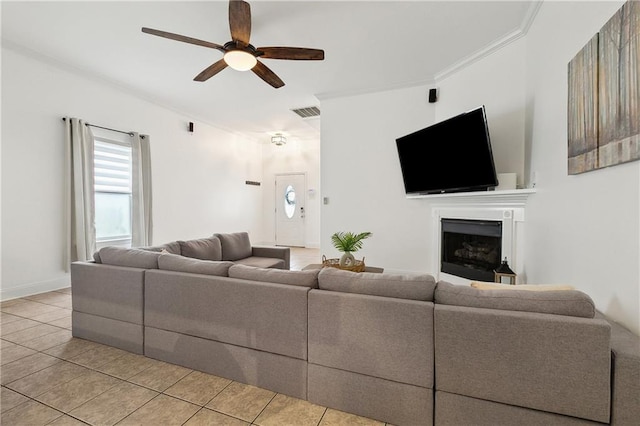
column 191, row 126
column 433, row 95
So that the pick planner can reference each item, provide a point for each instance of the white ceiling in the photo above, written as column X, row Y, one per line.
column 369, row 46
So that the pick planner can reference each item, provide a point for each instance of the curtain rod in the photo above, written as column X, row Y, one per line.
column 105, row 128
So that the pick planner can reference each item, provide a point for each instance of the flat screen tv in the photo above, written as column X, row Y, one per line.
column 453, row 155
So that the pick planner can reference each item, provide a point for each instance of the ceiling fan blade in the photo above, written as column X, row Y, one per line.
column 240, row 21
column 211, row 70
column 295, row 53
column 262, row 71
column 182, row 38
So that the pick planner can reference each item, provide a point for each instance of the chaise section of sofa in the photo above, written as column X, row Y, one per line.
column 518, row 365
column 236, row 247
column 371, row 345
column 249, row 331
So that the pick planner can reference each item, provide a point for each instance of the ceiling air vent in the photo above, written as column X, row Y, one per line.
column 307, row 112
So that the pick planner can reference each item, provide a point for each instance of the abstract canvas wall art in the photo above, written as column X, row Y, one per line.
column 604, row 95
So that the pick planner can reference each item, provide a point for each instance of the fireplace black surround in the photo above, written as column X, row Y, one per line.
column 471, row 248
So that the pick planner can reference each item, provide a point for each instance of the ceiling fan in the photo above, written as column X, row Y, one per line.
column 238, row 53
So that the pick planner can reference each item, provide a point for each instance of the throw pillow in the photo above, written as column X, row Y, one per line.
column 235, row 246
column 134, row 258
column 481, row 285
column 174, row 262
column 172, row 247
column 414, row 287
column 566, row 302
column 280, row 276
column 204, row 248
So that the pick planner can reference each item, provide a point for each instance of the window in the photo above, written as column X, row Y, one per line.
column 289, row 201
column 112, row 174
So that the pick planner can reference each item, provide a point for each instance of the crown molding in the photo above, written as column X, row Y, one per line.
column 488, row 50
column 516, row 34
column 364, row 91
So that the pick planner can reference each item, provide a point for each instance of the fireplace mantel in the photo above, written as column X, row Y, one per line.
column 509, row 198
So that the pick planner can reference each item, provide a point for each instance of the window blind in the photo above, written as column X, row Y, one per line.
column 112, row 167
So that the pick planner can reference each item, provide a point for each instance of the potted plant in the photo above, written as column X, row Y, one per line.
column 348, row 242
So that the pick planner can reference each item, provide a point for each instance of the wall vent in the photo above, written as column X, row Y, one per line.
column 307, row 112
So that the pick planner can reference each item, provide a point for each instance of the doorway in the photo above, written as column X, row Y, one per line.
column 290, row 199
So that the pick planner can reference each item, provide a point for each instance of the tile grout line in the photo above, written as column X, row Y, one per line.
column 264, row 408
column 29, row 400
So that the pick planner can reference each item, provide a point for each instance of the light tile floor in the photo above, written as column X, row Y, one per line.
column 50, row 378
column 301, row 257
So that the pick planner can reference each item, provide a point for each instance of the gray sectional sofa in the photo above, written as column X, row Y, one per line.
column 399, row 349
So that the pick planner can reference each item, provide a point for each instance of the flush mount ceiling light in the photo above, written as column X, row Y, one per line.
column 278, row 139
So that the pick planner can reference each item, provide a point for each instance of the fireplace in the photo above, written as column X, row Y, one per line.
column 502, row 211
column 471, row 249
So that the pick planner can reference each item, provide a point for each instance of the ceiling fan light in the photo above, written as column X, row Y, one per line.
column 279, row 139
column 240, row 60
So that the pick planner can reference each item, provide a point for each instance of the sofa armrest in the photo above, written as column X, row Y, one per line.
column 108, row 291
column 277, row 252
column 625, row 360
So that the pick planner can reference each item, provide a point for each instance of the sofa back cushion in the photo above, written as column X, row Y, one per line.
column 414, row 287
column 174, row 262
column 235, row 246
column 131, row 257
column 203, row 248
column 565, row 302
column 279, row 276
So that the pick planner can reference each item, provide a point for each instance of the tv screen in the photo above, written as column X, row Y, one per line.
column 451, row 156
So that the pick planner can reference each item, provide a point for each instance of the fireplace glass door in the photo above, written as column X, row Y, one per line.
column 471, row 248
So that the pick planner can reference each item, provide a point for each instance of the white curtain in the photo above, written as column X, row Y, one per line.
column 79, row 191
column 141, row 204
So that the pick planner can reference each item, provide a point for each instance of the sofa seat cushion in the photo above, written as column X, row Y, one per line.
column 133, row 258
column 174, row 262
column 235, row 246
column 564, row 302
column 203, row 248
column 262, row 262
column 301, row 278
column 414, row 287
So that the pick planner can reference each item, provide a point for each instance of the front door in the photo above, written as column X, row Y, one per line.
column 290, row 197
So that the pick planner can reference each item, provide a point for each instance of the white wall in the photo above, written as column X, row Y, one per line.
column 498, row 82
column 198, row 179
column 301, row 156
column 581, row 229
column 360, row 168
column 362, row 179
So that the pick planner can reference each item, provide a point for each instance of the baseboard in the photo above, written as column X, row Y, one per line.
column 35, row 288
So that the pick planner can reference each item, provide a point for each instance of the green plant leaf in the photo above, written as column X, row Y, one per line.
column 348, row 241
